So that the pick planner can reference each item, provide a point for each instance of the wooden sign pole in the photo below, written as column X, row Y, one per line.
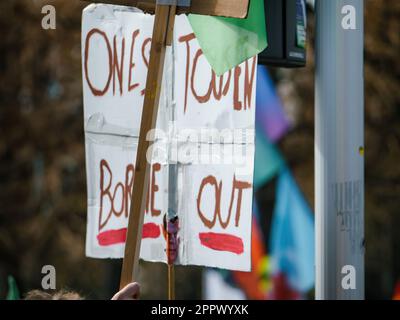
column 171, row 282
column 163, row 25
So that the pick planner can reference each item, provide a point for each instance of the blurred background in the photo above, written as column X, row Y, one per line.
column 43, row 179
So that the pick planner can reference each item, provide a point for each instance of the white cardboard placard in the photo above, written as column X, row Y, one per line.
column 205, row 125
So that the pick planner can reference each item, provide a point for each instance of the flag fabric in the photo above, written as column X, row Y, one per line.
column 268, row 160
column 13, row 292
column 396, row 294
column 271, row 125
column 227, row 42
column 270, row 115
column 217, row 288
column 292, row 236
column 282, row 290
column 255, row 284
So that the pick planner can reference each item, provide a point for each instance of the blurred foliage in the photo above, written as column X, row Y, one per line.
column 42, row 159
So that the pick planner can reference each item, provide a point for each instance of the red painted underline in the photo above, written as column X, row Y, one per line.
column 222, row 242
column 151, row 230
column 111, row 237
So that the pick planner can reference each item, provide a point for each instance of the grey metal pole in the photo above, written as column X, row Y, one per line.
column 339, row 149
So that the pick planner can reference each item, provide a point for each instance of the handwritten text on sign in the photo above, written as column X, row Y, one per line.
column 214, row 197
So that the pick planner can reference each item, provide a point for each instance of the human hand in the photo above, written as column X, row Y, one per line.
column 129, row 292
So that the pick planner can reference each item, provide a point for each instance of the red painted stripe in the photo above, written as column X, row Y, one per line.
column 151, row 230
column 222, row 242
column 110, row 237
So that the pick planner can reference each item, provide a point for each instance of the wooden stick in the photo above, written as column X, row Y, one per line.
column 171, row 282
column 171, row 24
column 142, row 168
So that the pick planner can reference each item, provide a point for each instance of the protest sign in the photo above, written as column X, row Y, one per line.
column 205, row 126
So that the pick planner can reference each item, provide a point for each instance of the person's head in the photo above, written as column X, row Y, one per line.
column 59, row 295
column 129, row 292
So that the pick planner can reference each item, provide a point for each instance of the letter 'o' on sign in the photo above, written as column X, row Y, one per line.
column 213, row 196
column 97, row 78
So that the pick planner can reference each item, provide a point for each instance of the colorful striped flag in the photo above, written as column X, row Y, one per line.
column 268, row 160
column 270, row 115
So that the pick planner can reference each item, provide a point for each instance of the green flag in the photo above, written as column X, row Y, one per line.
column 268, row 161
column 13, row 292
column 227, row 42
